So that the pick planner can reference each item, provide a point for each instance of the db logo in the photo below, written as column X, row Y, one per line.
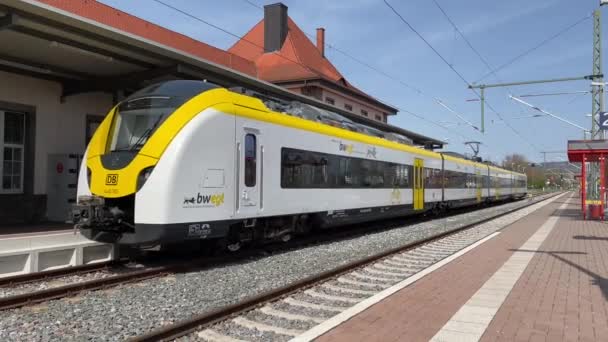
column 111, row 179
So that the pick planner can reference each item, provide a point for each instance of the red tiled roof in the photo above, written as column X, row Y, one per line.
column 120, row 20
column 299, row 59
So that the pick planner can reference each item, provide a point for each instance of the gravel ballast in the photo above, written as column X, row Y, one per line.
column 135, row 309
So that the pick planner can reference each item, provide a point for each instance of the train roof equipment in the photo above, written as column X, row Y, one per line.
column 330, row 117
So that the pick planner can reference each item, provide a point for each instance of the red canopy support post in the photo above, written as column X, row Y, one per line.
column 583, row 188
column 602, row 188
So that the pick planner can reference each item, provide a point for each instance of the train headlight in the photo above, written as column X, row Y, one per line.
column 143, row 176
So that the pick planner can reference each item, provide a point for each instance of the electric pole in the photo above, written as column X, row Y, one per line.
column 544, row 153
column 597, row 87
column 597, row 102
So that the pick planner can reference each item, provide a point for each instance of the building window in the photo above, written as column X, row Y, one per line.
column 348, row 107
column 250, row 160
column 378, row 117
column 330, row 101
column 12, row 140
column 364, row 112
column 385, row 117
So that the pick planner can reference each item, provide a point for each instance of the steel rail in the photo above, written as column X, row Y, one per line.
column 201, row 321
column 53, row 274
column 30, row 298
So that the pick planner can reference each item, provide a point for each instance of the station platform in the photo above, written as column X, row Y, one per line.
column 44, row 228
column 543, row 278
column 26, row 248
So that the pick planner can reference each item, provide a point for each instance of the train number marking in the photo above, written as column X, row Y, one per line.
column 112, row 179
column 201, row 230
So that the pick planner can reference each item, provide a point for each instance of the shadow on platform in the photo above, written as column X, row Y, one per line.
column 586, row 237
column 568, row 213
column 597, row 280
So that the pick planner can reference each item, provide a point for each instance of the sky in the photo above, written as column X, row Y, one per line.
column 411, row 76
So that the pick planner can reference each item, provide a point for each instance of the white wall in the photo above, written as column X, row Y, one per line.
column 60, row 127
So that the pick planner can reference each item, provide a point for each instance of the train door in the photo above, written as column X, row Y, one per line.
column 249, row 172
column 479, row 185
column 498, row 186
column 418, row 187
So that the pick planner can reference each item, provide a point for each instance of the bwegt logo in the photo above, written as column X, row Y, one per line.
column 205, row 200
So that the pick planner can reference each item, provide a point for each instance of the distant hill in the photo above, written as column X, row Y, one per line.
column 560, row 168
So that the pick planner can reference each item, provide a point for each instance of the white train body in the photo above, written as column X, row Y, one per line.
column 224, row 166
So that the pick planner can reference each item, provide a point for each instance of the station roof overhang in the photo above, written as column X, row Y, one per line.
column 590, row 150
column 84, row 55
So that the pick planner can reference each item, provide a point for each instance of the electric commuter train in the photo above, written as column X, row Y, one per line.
column 188, row 160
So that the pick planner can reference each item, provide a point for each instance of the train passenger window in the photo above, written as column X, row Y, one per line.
column 432, row 178
column 314, row 170
column 250, row 160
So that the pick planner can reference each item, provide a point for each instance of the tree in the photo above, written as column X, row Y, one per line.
column 516, row 162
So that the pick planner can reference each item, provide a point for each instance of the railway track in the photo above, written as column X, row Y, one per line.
column 287, row 312
column 54, row 274
column 130, row 276
column 16, row 301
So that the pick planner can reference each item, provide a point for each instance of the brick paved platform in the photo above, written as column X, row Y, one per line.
column 544, row 278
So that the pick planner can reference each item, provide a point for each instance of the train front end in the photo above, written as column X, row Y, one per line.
column 120, row 160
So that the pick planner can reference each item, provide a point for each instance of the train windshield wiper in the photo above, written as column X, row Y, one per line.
column 147, row 133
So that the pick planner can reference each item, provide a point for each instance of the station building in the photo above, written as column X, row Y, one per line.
column 284, row 55
column 65, row 63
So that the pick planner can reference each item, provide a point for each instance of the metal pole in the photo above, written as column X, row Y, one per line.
column 552, row 80
column 602, row 185
column 597, row 97
column 483, row 104
column 583, row 187
column 482, row 87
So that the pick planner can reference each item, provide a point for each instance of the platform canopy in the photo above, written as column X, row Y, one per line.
column 590, row 149
column 593, row 188
column 39, row 39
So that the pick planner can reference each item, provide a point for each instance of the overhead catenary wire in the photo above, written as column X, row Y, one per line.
column 536, row 47
column 468, row 42
column 385, row 74
column 405, row 84
column 457, row 73
column 483, row 60
column 253, row 4
column 417, row 90
column 493, row 71
column 461, row 136
column 548, row 113
column 293, row 61
column 581, row 92
column 426, row 42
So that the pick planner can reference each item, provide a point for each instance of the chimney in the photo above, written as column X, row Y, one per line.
column 321, row 41
column 275, row 26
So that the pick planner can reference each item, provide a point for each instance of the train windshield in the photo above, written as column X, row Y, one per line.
column 139, row 116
